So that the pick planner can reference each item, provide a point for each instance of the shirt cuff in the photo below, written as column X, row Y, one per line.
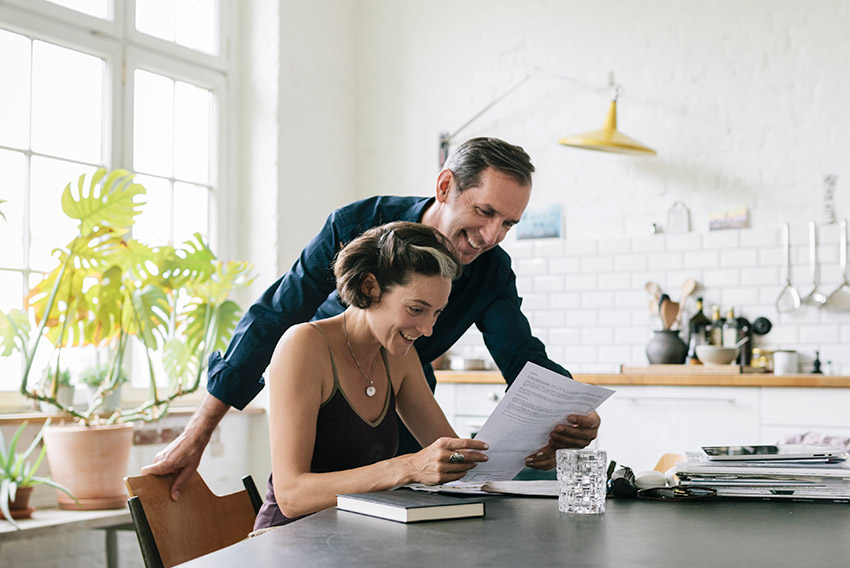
column 229, row 386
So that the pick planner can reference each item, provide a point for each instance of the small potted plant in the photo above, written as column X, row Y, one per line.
column 59, row 384
column 17, row 476
column 104, row 394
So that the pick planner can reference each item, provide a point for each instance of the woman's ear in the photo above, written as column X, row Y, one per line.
column 370, row 287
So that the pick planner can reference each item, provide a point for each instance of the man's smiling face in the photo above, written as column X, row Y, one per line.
column 478, row 218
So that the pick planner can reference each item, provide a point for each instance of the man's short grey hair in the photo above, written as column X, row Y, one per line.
column 468, row 160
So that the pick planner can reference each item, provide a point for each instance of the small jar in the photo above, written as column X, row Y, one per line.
column 762, row 359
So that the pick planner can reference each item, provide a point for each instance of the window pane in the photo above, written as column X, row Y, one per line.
column 191, row 23
column 67, row 103
column 191, row 204
column 11, row 296
column 153, row 226
column 13, row 170
column 15, row 94
column 51, row 228
column 153, row 135
column 156, row 18
column 196, row 24
column 192, row 132
column 97, row 8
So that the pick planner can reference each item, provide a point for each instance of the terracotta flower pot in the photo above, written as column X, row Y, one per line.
column 91, row 461
column 19, row 508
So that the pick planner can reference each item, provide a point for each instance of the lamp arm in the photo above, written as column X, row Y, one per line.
column 446, row 138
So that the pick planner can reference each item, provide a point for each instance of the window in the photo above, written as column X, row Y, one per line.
column 139, row 85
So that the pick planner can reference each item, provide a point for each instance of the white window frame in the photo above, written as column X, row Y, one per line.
column 124, row 49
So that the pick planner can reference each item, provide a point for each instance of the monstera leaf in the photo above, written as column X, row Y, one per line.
column 203, row 319
column 107, row 204
column 228, row 276
column 193, row 261
column 14, row 331
column 150, row 314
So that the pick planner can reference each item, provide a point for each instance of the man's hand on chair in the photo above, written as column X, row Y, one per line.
column 183, row 455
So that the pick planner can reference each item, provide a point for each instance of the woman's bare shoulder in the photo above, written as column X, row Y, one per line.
column 300, row 338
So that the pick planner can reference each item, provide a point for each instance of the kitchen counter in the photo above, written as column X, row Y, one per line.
column 667, row 379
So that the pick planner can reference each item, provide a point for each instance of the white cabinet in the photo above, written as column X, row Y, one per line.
column 794, row 411
column 467, row 405
column 641, row 423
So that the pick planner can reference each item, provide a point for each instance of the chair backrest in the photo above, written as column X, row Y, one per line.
column 200, row 522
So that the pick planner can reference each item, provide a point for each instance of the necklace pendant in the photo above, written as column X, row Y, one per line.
column 370, row 391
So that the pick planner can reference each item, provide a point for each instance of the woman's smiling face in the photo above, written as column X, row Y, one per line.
column 407, row 312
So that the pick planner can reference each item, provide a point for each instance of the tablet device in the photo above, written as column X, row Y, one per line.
column 818, row 452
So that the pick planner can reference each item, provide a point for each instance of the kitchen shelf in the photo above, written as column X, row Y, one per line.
column 661, row 379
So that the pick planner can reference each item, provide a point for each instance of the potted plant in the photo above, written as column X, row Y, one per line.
column 97, row 380
column 112, row 291
column 59, row 384
column 17, row 476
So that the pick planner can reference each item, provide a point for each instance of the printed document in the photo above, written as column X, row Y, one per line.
column 537, row 401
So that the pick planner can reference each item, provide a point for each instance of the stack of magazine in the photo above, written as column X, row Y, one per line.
column 801, row 472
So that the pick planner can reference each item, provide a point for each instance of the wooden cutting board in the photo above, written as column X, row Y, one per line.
column 687, row 370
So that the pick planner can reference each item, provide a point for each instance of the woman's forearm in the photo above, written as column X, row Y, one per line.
column 307, row 493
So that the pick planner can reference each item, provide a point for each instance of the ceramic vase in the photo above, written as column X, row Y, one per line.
column 666, row 348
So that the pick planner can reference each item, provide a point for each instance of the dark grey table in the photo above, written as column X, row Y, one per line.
column 530, row 532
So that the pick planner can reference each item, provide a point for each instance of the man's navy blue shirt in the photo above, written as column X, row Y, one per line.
column 484, row 295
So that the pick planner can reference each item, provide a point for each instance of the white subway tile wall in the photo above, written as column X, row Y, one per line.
column 585, row 299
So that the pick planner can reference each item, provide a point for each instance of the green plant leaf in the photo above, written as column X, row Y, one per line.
column 15, row 331
column 193, row 261
column 54, row 485
column 178, row 360
column 7, row 494
column 151, row 314
column 111, row 203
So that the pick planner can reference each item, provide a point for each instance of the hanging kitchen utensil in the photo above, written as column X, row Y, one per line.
column 840, row 298
column 815, row 298
column 788, row 299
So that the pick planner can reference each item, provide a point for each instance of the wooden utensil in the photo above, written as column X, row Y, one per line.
column 688, row 287
column 668, row 310
column 669, row 314
column 654, row 291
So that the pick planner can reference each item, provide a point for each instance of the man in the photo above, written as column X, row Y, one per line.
column 481, row 193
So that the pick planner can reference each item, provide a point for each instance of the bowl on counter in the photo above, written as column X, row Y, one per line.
column 716, row 355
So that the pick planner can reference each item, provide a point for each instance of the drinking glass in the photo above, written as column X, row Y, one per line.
column 582, row 475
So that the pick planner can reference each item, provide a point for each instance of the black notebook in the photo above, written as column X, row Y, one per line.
column 406, row 506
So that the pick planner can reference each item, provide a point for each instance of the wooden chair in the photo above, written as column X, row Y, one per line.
column 667, row 461
column 198, row 523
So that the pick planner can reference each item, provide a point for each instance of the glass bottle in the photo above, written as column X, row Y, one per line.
column 715, row 330
column 697, row 326
column 730, row 329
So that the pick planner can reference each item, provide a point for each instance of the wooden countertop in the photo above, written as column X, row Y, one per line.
column 667, row 379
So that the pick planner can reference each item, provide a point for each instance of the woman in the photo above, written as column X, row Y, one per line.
column 335, row 385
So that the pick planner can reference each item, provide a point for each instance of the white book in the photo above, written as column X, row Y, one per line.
column 407, row 506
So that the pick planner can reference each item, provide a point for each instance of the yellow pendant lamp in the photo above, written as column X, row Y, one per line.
column 608, row 138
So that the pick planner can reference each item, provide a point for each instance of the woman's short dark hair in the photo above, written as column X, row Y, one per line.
column 392, row 253
column 468, row 160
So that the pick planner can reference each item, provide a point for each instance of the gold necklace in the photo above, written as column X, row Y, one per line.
column 370, row 390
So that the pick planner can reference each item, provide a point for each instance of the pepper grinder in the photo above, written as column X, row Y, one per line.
column 816, row 370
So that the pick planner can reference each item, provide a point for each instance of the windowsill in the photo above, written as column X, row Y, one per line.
column 15, row 408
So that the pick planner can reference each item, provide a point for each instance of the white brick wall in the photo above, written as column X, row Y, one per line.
column 599, row 319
